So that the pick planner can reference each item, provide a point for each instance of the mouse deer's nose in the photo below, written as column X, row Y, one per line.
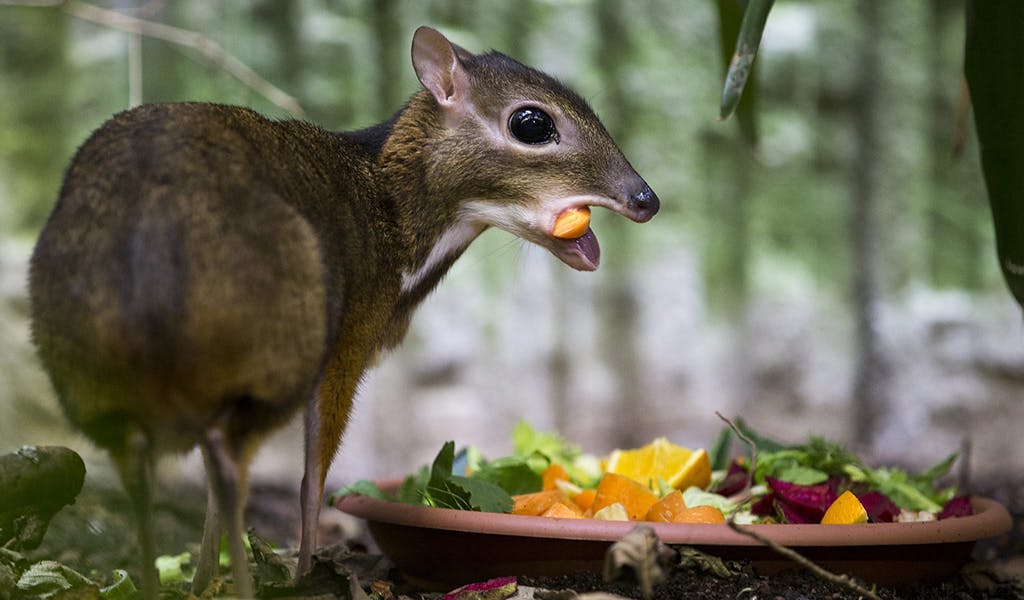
column 644, row 202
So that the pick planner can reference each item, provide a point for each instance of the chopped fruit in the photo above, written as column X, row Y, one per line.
column 661, row 459
column 536, row 503
column 798, row 503
column 572, row 223
column 569, row 488
column 879, row 507
column 667, row 508
column 696, row 472
column 634, row 497
column 846, row 510
column 699, row 514
column 585, row 499
column 612, row 512
column 562, row 510
column 552, row 474
column 960, row 506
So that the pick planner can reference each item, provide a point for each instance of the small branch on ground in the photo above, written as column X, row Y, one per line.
column 745, row 492
column 842, row 580
column 963, row 475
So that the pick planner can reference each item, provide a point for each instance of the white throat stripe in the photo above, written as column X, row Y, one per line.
column 452, row 242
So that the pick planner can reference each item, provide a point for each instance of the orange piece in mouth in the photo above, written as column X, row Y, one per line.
column 572, row 223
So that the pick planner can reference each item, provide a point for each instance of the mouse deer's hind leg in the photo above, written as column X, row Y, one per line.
column 326, row 415
column 310, row 492
column 227, row 480
column 135, row 467
column 209, row 550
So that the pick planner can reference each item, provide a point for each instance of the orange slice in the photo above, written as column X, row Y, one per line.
column 553, row 473
column 661, row 459
column 696, row 471
column 585, row 499
column 536, row 503
column 572, row 223
column 846, row 510
column 699, row 514
column 667, row 508
column 563, row 510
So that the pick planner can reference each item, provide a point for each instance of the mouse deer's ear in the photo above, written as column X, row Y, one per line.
column 438, row 65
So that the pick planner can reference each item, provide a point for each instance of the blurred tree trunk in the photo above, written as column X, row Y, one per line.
column 520, row 20
column 33, row 61
column 618, row 302
column 457, row 13
column 560, row 359
column 869, row 376
column 954, row 246
column 281, row 21
column 163, row 78
column 391, row 52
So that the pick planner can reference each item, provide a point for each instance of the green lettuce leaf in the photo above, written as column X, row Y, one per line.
column 512, row 473
column 540, row 449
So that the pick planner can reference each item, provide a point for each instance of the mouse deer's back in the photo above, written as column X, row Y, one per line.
column 172, row 280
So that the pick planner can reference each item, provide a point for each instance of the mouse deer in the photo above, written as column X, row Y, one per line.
column 207, row 272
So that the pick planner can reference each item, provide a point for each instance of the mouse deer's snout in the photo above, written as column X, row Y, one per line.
column 626, row 192
column 643, row 203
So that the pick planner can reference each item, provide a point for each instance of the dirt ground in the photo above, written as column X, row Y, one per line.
column 96, row 535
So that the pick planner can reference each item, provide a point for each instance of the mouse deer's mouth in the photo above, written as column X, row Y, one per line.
column 582, row 251
column 576, row 244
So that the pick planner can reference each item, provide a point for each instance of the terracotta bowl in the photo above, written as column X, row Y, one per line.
column 444, row 548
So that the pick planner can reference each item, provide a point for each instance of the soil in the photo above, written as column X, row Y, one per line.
column 96, row 535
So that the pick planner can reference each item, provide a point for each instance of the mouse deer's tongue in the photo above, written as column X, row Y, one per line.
column 588, row 247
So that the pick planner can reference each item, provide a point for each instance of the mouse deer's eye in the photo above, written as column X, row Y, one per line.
column 532, row 126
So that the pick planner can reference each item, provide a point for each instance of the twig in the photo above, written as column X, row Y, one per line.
column 753, row 454
column 33, row 3
column 963, row 476
column 209, row 49
column 842, row 580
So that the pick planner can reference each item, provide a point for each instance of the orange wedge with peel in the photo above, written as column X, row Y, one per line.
column 845, row 510
column 572, row 223
column 679, row 467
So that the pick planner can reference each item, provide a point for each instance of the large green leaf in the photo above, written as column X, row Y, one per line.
column 745, row 37
column 995, row 74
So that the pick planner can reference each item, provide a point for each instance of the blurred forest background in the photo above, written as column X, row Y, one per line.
column 824, row 267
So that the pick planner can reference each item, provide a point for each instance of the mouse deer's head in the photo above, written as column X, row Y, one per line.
column 517, row 149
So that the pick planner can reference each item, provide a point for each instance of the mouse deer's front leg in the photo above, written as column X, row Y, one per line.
column 325, row 418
